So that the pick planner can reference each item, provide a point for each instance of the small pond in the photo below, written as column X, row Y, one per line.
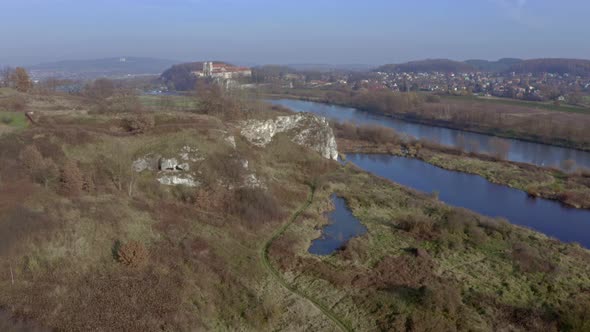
column 342, row 227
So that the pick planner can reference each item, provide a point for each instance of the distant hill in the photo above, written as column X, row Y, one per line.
column 180, row 77
column 429, row 65
column 575, row 67
column 110, row 67
column 329, row 67
column 494, row 66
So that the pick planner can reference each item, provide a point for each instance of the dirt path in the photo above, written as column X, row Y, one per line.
column 264, row 255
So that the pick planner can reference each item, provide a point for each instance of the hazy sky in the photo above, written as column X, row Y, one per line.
column 289, row 31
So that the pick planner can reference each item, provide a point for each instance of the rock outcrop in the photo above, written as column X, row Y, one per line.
column 149, row 162
column 304, row 129
column 171, row 171
column 174, row 180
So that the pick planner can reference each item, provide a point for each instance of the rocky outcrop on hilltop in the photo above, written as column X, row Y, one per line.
column 305, row 129
column 171, row 170
column 181, row 169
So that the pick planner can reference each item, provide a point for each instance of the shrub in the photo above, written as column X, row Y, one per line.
column 528, row 259
column 457, row 221
column 132, row 254
column 6, row 120
column 575, row 315
column 71, row 179
column 184, row 194
column 139, row 123
column 102, row 88
column 442, row 297
column 254, row 205
column 125, row 101
column 377, row 134
column 31, row 158
column 476, row 234
column 215, row 100
column 42, row 170
column 345, row 130
column 419, row 226
column 227, row 167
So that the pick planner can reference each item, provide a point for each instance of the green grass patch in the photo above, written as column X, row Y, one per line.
column 13, row 119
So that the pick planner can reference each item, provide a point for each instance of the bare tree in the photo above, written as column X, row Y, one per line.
column 21, row 80
column 42, row 170
column 102, row 88
column 71, row 179
column 6, row 76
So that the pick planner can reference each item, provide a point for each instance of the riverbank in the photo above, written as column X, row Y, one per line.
column 510, row 132
column 431, row 266
column 571, row 189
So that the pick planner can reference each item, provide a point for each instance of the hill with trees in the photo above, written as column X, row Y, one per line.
column 179, row 76
column 494, row 66
column 429, row 65
column 107, row 67
column 575, row 67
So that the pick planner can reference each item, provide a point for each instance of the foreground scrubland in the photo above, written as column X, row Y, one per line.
column 87, row 243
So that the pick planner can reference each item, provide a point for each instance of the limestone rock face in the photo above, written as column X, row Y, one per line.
column 149, row 162
column 171, row 171
column 304, row 129
column 168, row 164
column 180, row 179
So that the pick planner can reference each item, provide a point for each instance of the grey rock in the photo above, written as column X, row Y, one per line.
column 148, row 162
column 305, row 129
column 168, row 164
column 174, row 180
column 183, row 167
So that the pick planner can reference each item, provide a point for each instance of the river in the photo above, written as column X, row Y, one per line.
column 521, row 151
column 477, row 194
column 465, row 190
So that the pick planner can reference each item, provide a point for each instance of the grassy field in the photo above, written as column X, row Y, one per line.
column 13, row 119
column 86, row 243
column 550, row 106
column 178, row 103
column 468, row 273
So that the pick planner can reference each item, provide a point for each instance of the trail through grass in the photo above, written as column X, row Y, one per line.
column 277, row 275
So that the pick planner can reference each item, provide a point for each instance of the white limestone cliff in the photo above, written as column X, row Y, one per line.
column 305, row 129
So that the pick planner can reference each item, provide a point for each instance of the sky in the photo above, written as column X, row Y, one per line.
column 292, row 31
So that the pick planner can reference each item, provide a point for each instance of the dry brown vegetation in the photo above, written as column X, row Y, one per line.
column 91, row 245
column 429, row 267
column 14, row 103
column 88, row 244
